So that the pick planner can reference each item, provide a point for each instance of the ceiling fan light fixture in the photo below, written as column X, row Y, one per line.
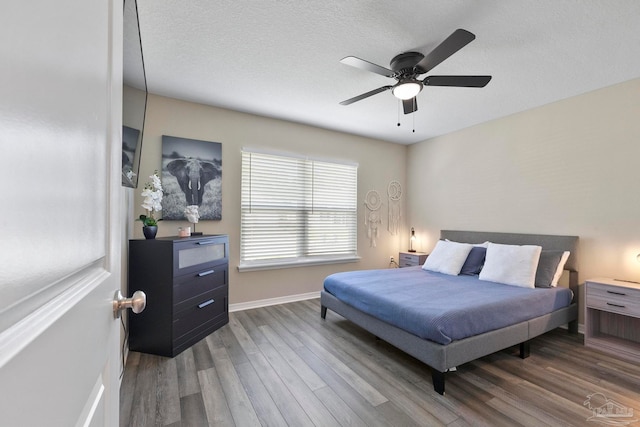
column 407, row 89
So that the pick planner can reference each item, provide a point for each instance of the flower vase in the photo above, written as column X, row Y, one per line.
column 150, row 231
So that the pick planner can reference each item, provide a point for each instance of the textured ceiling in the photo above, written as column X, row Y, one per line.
column 280, row 58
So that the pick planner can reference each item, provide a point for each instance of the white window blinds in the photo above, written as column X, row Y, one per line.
column 296, row 210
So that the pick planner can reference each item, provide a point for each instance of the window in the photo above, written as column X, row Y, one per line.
column 296, row 211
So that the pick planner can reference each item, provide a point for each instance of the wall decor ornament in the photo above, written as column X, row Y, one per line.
column 193, row 216
column 372, row 219
column 192, row 176
column 394, row 192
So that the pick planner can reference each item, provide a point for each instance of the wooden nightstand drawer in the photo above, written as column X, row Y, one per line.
column 411, row 259
column 616, row 299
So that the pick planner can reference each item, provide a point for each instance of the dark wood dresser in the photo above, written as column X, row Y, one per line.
column 186, row 282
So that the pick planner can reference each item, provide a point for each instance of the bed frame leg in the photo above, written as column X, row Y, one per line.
column 438, row 381
column 573, row 327
column 323, row 312
column 525, row 349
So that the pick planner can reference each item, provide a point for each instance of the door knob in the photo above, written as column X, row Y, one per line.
column 136, row 303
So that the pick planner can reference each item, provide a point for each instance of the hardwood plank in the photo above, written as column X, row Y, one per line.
column 188, row 378
column 366, row 390
column 214, row 399
column 167, row 393
column 266, row 409
column 290, row 405
column 312, row 406
column 336, row 406
column 396, row 416
column 284, row 400
column 244, row 339
column 231, row 344
column 313, row 381
column 369, row 414
column 500, row 389
column 144, row 404
column 202, row 356
column 337, row 359
column 193, row 411
column 248, row 322
column 239, row 403
column 275, row 321
column 128, row 387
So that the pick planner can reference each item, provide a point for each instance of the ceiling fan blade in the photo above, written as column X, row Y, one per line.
column 367, row 66
column 459, row 81
column 365, row 95
column 410, row 105
column 456, row 41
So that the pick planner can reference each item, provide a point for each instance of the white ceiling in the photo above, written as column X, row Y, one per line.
column 280, row 58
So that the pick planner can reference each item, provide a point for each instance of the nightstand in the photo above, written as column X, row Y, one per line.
column 612, row 318
column 412, row 259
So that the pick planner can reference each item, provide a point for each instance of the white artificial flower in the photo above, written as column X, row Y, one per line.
column 152, row 195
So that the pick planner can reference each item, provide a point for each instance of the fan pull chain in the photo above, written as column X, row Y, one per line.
column 414, row 115
column 398, row 112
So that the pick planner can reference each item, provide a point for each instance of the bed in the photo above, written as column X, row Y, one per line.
column 459, row 337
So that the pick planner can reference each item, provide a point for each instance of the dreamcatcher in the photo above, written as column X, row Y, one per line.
column 394, row 191
column 372, row 220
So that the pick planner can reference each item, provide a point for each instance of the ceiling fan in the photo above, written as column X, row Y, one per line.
column 406, row 67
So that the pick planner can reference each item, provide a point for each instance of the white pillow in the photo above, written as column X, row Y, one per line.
column 447, row 257
column 563, row 261
column 511, row 264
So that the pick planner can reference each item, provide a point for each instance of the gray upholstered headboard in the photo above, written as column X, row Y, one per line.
column 563, row 243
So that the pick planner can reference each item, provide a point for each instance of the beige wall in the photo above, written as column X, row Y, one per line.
column 379, row 163
column 570, row 167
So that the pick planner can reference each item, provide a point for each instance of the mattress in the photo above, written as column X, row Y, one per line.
column 440, row 307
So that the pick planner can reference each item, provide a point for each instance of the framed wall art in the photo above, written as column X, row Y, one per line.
column 191, row 175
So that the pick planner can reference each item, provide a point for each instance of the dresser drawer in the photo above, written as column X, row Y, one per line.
column 200, row 310
column 615, row 299
column 193, row 255
column 194, row 284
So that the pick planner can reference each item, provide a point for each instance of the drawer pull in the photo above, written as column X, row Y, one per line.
column 615, row 305
column 206, row 303
column 207, row 242
column 206, row 273
column 616, row 293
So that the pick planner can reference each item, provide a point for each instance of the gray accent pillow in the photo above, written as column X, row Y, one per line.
column 547, row 267
column 474, row 262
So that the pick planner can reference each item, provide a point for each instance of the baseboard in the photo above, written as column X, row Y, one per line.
column 272, row 301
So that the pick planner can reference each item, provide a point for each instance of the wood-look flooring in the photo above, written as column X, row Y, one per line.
column 285, row 366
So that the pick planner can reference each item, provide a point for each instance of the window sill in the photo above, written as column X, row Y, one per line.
column 274, row 265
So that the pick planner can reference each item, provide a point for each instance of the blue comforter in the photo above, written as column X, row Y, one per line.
column 440, row 307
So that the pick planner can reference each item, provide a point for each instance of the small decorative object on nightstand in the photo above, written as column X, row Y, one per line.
column 412, row 259
column 612, row 321
column 412, row 240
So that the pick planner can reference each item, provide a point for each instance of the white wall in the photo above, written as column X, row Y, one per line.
column 570, row 168
column 379, row 163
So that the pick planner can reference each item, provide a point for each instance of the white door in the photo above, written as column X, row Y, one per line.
column 60, row 197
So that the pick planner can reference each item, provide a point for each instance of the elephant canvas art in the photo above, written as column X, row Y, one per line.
column 191, row 175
